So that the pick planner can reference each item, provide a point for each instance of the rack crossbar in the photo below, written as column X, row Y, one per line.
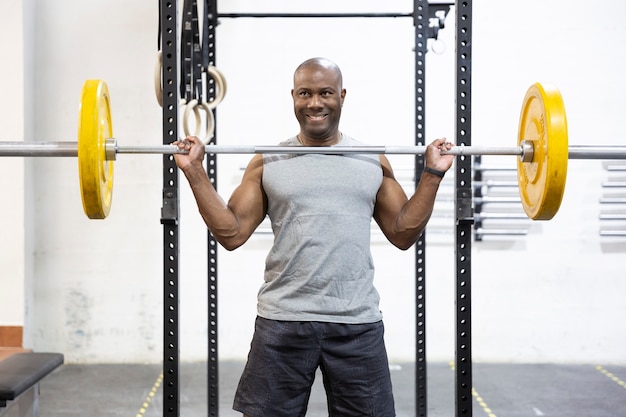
column 312, row 15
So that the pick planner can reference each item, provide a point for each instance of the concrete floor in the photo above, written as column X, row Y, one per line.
column 500, row 391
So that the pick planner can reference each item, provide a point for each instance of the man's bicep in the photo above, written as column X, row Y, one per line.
column 390, row 200
column 248, row 202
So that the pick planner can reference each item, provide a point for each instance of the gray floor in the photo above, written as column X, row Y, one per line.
column 500, row 391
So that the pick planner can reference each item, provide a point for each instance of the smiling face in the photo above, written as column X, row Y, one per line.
column 317, row 98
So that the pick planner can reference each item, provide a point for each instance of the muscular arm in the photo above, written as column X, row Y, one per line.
column 231, row 223
column 403, row 220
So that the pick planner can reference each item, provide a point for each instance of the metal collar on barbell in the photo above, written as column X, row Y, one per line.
column 110, row 149
column 527, row 149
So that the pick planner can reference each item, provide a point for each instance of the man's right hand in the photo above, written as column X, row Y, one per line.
column 195, row 152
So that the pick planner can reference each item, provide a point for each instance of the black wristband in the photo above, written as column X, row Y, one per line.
column 436, row 172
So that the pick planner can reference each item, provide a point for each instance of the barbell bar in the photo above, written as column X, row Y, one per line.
column 542, row 150
column 112, row 149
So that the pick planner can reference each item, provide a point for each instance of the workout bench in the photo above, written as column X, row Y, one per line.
column 19, row 382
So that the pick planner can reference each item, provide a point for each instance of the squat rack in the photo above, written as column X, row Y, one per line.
column 423, row 14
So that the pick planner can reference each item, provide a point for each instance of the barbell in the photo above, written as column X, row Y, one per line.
column 542, row 150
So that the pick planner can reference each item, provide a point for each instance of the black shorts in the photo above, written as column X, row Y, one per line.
column 285, row 355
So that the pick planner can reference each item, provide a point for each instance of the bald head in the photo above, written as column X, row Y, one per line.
column 321, row 63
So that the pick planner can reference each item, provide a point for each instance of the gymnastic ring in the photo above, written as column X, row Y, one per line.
column 187, row 107
column 209, row 131
column 158, row 82
column 209, row 120
column 209, row 126
column 220, row 84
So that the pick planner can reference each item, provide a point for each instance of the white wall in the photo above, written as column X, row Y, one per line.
column 552, row 296
column 16, row 296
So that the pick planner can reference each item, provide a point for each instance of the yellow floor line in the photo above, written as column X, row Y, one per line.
column 482, row 403
column 148, row 400
column 477, row 397
column 611, row 376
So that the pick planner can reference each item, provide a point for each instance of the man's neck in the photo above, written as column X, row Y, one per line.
column 330, row 141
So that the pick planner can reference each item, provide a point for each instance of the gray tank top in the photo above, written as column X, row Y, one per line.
column 320, row 267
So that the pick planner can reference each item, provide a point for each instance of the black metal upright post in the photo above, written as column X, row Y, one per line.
column 463, row 207
column 421, row 22
column 170, row 211
column 211, row 159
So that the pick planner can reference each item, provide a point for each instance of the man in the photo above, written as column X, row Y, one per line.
column 317, row 307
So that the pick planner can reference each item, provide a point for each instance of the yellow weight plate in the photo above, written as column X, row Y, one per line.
column 94, row 127
column 544, row 124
